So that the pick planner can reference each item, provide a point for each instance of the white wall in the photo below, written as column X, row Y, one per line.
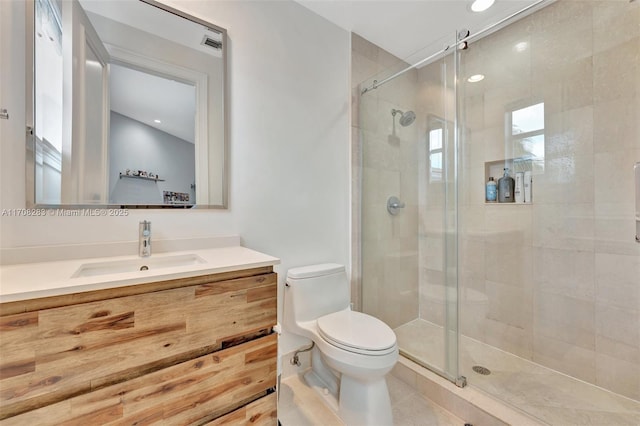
column 289, row 141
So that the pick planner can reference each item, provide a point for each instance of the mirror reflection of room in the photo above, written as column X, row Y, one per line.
column 119, row 118
column 151, row 138
column 48, row 102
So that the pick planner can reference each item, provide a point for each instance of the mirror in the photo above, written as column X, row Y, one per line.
column 128, row 106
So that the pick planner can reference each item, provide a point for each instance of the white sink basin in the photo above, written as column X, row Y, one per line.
column 138, row 264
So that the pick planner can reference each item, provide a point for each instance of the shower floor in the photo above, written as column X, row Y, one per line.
column 550, row 396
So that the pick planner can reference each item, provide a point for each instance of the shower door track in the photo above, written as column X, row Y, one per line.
column 460, row 381
column 461, row 41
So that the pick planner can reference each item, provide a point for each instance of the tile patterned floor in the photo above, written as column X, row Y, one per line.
column 551, row 397
column 299, row 405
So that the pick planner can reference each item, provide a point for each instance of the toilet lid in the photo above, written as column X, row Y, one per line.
column 356, row 331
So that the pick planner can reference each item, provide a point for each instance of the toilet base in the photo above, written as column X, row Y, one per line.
column 364, row 403
column 320, row 387
column 357, row 402
column 360, row 404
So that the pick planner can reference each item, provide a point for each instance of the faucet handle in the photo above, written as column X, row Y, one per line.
column 144, row 238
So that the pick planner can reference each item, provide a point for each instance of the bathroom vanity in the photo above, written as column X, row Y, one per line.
column 186, row 344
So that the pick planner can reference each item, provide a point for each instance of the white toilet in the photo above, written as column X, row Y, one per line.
column 353, row 351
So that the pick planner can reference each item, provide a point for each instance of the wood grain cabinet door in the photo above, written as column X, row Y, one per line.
column 51, row 355
column 228, row 385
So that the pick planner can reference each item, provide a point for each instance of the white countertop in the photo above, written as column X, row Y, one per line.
column 45, row 279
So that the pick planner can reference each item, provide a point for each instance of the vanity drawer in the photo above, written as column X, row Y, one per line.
column 50, row 355
column 261, row 412
column 193, row 392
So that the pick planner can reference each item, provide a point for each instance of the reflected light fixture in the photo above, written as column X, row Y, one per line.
column 475, row 78
column 481, row 5
column 157, row 121
column 521, row 47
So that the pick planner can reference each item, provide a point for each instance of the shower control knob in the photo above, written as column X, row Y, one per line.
column 394, row 205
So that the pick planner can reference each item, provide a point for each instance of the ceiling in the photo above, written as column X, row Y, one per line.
column 146, row 98
column 155, row 21
column 410, row 29
column 143, row 96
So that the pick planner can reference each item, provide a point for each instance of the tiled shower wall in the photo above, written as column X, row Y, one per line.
column 557, row 281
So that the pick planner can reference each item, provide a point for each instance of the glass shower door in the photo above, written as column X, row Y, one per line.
column 548, row 282
column 408, row 210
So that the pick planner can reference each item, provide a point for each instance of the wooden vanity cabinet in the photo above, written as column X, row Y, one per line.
column 189, row 351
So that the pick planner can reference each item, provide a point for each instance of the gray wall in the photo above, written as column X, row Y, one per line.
column 136, row 146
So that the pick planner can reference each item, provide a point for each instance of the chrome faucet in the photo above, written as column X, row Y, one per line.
column 144, row 239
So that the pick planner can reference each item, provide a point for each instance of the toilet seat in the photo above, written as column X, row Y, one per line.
column 357, row 332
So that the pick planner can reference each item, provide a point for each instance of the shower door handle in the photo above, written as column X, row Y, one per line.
column 637, row 179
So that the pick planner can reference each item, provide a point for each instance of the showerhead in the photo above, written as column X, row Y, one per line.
column 406, row 118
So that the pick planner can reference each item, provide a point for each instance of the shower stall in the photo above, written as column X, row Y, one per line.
column 535, row 302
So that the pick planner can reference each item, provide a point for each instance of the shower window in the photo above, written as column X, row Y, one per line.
column 525, row 131
column 436, row 138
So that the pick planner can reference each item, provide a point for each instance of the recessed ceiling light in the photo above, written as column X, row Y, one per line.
column 157, row 121
column 481, row 5
column 521, row 47
column 475, row 78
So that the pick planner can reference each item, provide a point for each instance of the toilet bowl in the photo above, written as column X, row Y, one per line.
column 353, row 351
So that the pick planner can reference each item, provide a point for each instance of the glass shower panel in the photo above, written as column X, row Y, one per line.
column 502, row 125
column 408, row 279
column 547, row 306
column 389, row 241
column 534, row 300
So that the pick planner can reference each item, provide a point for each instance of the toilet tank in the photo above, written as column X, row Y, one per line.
column 314, row 291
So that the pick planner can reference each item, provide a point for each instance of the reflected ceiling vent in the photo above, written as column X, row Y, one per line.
column 208, row 41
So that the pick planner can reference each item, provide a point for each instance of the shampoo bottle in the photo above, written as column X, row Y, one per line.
column 506, row 186
column 491, row 191
column 527, row 187
column 519, row 190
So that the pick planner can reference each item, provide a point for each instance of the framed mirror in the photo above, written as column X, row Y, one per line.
column 127, row 106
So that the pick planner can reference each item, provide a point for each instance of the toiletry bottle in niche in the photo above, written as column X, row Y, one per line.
column 491, row 190
column 527, row 187
column 506, row 186
column 519, row 188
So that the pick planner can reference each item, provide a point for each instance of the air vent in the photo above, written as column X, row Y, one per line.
column 208, row 41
